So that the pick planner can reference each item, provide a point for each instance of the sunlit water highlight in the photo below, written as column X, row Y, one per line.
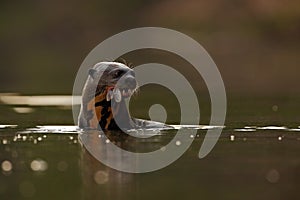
column 41, row 159
column 151, row 131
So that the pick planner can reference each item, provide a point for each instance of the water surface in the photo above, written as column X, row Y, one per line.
column 41, row 157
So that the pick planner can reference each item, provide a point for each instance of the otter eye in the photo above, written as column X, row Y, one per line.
column 117, row 73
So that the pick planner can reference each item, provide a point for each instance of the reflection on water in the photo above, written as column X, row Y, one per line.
column 152, row 132
column 8, row 126
column 47, row 162
column 52, row 129
column 45, row 100
column 102, row 182
column 41, row 157
column 35, row 164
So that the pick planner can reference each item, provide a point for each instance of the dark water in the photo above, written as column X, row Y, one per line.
column 256, row 158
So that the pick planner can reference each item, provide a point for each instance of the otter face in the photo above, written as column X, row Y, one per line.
column 117, row 80
column 108, row 84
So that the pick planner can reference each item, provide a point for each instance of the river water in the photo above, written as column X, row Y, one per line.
column 42, row 156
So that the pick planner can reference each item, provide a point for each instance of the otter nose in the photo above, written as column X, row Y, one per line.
column 130, row 82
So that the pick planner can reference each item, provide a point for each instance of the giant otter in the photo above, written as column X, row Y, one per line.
column 103, row 106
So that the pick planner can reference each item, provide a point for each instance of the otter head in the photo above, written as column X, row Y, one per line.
column 108, row 84
column 115, row 79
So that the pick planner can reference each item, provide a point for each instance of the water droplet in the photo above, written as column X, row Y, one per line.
column 39, row 165
column 24, row 137
column 273, row 176
column 39, row 139
column 192, row 136
column 275, row 108
column 4, row 141
column 71, row 137
column 6, row 166
column 178, row 143
column 35, row 141
column 107, row 141
column 280, row 138
column 232, row 137
column 44, row 136
column 101, row 177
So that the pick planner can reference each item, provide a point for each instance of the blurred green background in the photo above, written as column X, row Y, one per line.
column 255, row 43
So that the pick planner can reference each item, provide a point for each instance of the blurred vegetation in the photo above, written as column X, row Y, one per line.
column 255, row 43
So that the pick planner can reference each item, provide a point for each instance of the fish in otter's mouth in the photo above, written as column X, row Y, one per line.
column 103, row 106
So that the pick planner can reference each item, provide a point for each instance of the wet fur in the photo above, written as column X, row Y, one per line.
column 96, row 112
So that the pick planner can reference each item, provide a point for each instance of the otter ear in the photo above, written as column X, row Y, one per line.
column 92, row 72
